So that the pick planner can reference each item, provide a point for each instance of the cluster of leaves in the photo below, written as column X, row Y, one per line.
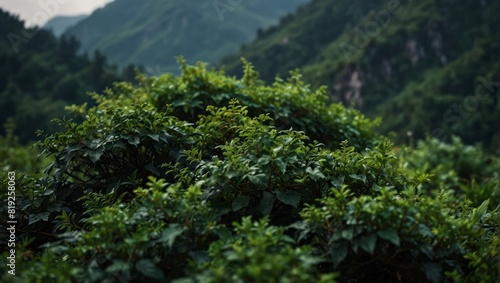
column 258, row 252
column 291, row 103
column 398, row 237
column 152, row 188
column 252, row 168
column 466, row 169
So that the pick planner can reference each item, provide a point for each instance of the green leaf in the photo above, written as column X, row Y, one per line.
column 368, row 243
column 426, row 249
column 95, row 155
column 281, row 165
column 358, row 177
column 149, row 269
column 289, row 197
column 259, row 180
column 37, row 217
column 164, row 137
column 338, row 253
column 151, row 168
column 119, row 144
column 433, row 271
column 338, row 182
column 171, row 233
column 390, row 235
column 479, row 212
column 425, row 231
column 347, row 234
column 240, row 202
column 118, row 265
column 264, row 160
column 154, row 137
column 266, row 203
column 277, row 149
column 134, row 141
column 315, row 174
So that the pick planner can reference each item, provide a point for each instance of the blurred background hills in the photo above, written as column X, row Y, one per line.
column 59, row 24
column 417, row 64
column 151, row 33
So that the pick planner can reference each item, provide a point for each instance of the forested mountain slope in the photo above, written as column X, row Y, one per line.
column 59, row 24
column 41, row 74
column 415, row 63
column 151, row 33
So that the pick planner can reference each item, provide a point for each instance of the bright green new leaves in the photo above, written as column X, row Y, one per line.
column 259, row 170
column 290, row 103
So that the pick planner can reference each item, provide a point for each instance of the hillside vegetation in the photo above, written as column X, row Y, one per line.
column 235, row 175
column 207, row 178
column 59, row 24
column 41, row 74
column 152, row 33
column 426, row 67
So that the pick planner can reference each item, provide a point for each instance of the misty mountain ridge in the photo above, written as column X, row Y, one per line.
column 59, row 24
column 152, row 33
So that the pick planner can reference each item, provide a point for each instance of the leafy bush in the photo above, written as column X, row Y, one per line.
column 393, row 237
column 258, row 252
column 187, row 179
column 264, row 171
column 290, row 103
column 466, row 169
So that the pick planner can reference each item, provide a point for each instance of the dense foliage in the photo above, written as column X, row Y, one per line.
column 208, row 178
column 41, row 74
column 429, row 67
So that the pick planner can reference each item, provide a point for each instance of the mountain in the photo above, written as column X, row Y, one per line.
column 41, row 74
column 417, row 64
column 153, row 32
column 59, row 24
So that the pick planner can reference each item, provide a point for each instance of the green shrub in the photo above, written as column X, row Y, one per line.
column 263, row 171
column 466, row 169
column 205, row 178
column 258, row 253
column 393, row 237
column 290, row 103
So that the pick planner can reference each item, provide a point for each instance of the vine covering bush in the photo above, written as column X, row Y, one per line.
column 209, row 178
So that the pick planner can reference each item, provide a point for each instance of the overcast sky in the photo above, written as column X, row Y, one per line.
column 38, row 12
